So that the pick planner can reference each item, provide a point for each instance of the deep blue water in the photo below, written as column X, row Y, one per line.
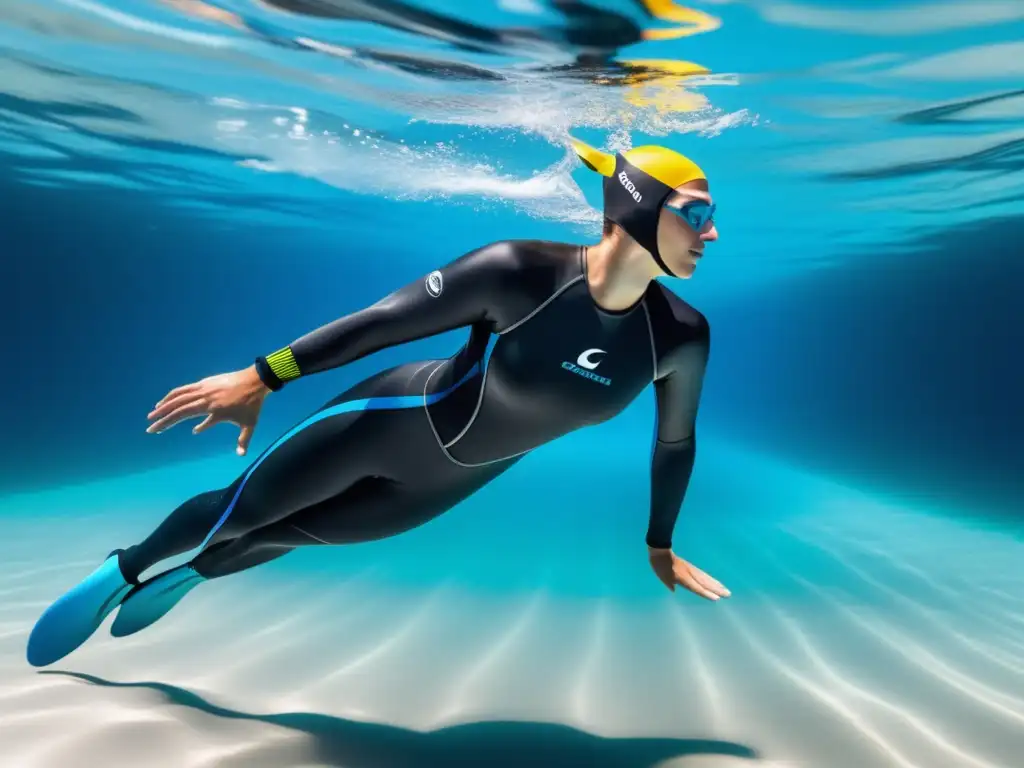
column 187, row 184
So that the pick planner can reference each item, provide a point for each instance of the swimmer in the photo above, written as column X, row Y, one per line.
column 560, row 337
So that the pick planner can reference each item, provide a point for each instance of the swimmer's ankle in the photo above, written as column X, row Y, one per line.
column 127, row 565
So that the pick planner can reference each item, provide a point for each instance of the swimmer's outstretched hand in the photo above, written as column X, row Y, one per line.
column 672, row 570
column 235, row 397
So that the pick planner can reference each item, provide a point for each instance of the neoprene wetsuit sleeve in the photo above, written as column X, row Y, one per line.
column 461, row 293
column 675, row 446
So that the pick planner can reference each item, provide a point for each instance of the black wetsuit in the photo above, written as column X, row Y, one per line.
column 396, row 450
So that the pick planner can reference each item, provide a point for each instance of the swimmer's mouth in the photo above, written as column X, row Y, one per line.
column 696, row 254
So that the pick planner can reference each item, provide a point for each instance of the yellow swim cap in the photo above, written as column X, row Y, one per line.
column 637, row 183
column 666, row 165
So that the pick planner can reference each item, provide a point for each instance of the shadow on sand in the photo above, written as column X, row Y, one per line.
column 334, row 741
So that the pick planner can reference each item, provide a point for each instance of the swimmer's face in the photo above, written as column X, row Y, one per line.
column 681, row 246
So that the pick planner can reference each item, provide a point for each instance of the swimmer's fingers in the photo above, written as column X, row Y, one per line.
column 171, row 404
column 709, row 583
column 689, row 576
column 186, row 389
column 243, row 439
column 687, row 580
column 209, row 421
column 181, row 413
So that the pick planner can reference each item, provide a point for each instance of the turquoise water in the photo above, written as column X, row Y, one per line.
column 186, row 185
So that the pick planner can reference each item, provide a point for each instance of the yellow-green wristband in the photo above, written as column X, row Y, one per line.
column 277, row 368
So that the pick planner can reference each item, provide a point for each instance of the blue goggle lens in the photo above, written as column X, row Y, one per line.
column 696, row 213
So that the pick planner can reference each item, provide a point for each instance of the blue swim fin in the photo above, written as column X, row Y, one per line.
column 152, row 599
column 74, row 616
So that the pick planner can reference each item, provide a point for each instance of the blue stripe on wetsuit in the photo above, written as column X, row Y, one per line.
column 369, row 404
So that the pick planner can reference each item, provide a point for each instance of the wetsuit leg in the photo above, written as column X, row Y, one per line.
column 375, row 433
column 317, row 463
column 182, row 530
column 372, row 509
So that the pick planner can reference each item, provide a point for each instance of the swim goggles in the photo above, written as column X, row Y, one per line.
column 696, row 213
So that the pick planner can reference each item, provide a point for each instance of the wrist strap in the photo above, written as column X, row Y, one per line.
column 277, row 368
column 267, row 376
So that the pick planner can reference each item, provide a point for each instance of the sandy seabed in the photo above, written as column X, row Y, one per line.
column 860, row 636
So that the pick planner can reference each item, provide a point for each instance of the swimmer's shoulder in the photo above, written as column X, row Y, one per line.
column 530, row 255
column 541, row 267
column 675, row 323
column 522, row 276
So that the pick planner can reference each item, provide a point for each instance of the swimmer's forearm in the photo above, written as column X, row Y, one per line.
column 671, row 467
column 339, row 342
column 677, row 394
column 343, row 341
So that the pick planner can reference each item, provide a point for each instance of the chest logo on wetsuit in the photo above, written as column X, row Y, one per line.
column 585, row 365
column 434, row 283
column 585, row 361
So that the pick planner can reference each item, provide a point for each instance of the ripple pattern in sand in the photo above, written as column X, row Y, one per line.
column 847, row 643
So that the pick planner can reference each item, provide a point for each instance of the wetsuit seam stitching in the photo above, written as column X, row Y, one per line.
column 545, row 303
column 426, row 408
column 650, row 335
column 307, row 533
column 437, row 437
column 445, row 446
column 416, row 373
column 674, row 442
column 430, row 420
column 476, row 410
column 462, row 433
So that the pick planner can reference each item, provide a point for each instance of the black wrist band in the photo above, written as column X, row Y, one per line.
column 267, row 376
